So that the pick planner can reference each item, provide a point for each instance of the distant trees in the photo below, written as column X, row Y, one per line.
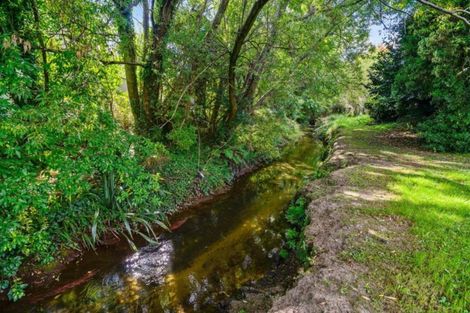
column 423, row 77
column 200, row 62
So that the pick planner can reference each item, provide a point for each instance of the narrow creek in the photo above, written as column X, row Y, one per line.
column 218, row 246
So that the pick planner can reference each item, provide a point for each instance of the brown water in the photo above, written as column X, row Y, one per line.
column 221, row 245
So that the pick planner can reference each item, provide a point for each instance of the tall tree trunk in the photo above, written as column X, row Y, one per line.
column 258, row 65
column 200, row 86
column 240, row 39
column 42, row 45
column 145, row 25
column 219, row 98
column 153, row 71
column 128, row 50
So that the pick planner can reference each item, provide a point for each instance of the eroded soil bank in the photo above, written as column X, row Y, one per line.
column 372, row 254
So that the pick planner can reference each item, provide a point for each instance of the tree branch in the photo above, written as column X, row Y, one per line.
column 452, row 13
column 393, row 8
column 113, row 62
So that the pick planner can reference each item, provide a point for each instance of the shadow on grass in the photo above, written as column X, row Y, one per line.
column 436, row 199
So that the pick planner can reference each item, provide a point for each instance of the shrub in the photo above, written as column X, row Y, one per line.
column 265, row 134
column 381, row 109
column 381, row 105
column 422, row 78
column 447, row 131
column 183, row 138
column 295, row 238
column 67, row 172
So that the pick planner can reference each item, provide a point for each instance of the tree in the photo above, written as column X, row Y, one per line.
column 235, row 53
column 423, row 79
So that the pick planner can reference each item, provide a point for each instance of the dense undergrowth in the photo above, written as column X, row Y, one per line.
column 421, row 77
column 70, row 174
column 67, row 176
column 188, row 173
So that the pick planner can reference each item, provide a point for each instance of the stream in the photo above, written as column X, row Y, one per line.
column 216, row 248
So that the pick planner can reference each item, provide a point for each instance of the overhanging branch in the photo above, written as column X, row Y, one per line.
column 452, row 13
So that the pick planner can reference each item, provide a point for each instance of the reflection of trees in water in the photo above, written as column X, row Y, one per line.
column 275, row 178
column 235, row 249
column 224, row 267
column 115, row 293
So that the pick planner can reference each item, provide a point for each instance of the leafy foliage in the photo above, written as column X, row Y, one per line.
column 422, row 77
column 295, row 238
column 263, row 136
column 184, row 137
column 79, row 157
column 382, row 106
column 67, row 155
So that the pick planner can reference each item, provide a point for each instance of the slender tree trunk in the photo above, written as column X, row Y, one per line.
column 128, row 50
column 200, row 86
column 219, row 15
column 145, row 26
column 153, row 71
column 258, row 65
column 219, row 98
column 41, row 43
column 240, row 39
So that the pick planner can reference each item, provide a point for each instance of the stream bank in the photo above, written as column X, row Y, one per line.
column 187, row 182
column 378, row 224
column 216, row 249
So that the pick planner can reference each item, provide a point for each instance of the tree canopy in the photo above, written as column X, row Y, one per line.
column 100, row 108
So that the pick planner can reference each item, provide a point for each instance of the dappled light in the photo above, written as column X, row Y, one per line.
column 234, row 156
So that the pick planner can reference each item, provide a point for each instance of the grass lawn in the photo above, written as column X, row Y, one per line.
column 431, row 270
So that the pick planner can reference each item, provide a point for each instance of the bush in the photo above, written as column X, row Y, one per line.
column 382, row 105
column 381, row 109
column 295, row 238
column 447, row 131
column 422, row 78
column 183, row 138
column 265, row 134
column 67, row 172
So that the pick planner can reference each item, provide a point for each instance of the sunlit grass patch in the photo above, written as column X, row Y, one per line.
column 439, row 207
column 432, row 192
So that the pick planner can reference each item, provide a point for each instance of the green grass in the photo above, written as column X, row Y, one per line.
column 437, row 201
column 347, row 122
column 432, row 191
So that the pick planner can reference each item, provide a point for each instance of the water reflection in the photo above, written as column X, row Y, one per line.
column 151, row 264
column 218, row 247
